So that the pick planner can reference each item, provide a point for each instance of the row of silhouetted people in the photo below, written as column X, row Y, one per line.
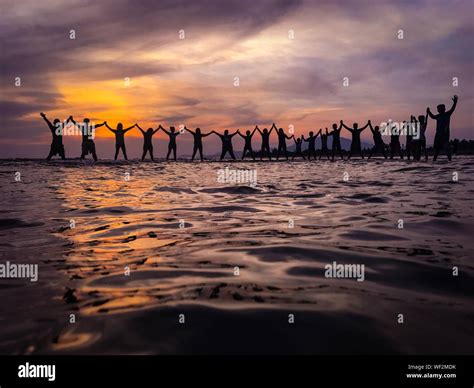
column 413, row 147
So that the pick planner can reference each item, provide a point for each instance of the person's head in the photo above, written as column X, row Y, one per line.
column 56, row 121
column 298, row 140
column 86, row 120
column 226, row 132
column 247, row 133
column 441, row 108
column 119, row 126
column 311, row 133
column 172, row 129
column 149, row 130
column 198, row 130
column 334, row 126
column 280, row 130
column 355, row 125
column 421, row 119
column 376, row 128
column 265, row 130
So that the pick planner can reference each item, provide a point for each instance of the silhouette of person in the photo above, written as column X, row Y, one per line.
column 119, row 138
column 88, row 145
column 298, row 144
column 226, row 143
column 409, row 141
column 311, row 140
column 443, row 119
column 355, row 145
column 147, row 141
column 324, row 144
column 421, row 144
column 172, row 134
column 265, row 141
column 395, row 146
column 248, row 143
column 57, row 147
column 197, row 135
column 281, row 142
column 379, row 145
column 336, row 140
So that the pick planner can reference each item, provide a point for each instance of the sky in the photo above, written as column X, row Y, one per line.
column 226, row 65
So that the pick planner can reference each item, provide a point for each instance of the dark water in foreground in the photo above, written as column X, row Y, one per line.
column 181, row 233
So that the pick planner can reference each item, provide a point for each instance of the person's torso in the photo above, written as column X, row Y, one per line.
column 120, row 137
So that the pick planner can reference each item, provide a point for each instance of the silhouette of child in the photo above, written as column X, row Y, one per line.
column 442, row 135
column 355, row 131
column 119, row 138
column 147, row 140
column 226, row 143
column 248, row 143
column 57, row 147
column 172, row 134
column 197, row 135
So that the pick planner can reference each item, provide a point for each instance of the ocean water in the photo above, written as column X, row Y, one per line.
column 163, row 258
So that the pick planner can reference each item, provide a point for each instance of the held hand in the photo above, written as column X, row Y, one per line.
column 341, row 121
column 369, row 122
column 42, row 114
column 455, row 98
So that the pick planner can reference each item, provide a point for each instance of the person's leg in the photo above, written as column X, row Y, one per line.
column 243, row 153
column 447, row 147
column 174, row 153
column 372, row 151
column 231, row 152
column 94, row 155
column 117, row 148
column 382, row 147
column 361, row 152
column 169, row 152
column 224, row 151
column 150, row 151
column 200, row 153
column 144, row 153
column 194, row 152
column 124, row 151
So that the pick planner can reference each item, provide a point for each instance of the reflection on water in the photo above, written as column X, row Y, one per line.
column 128, row 256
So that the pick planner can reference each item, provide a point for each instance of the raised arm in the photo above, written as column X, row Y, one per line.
column 428, row 113
column 155, row 130
column 188, row 130
column 302, row 137
column 218, row 134
column 253, row 132
column 140, row 128
column 206, row 134
column 235, row 133
column 71, row 120
column 164, row 130
column 99, row 125
column 289, row 137
column 129, row 128
column 455, row 102
column 110, row 129
column 50, row 124
column 365, row 126
column 345, row 126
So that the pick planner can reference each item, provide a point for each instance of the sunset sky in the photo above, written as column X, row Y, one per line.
column 190, row 81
